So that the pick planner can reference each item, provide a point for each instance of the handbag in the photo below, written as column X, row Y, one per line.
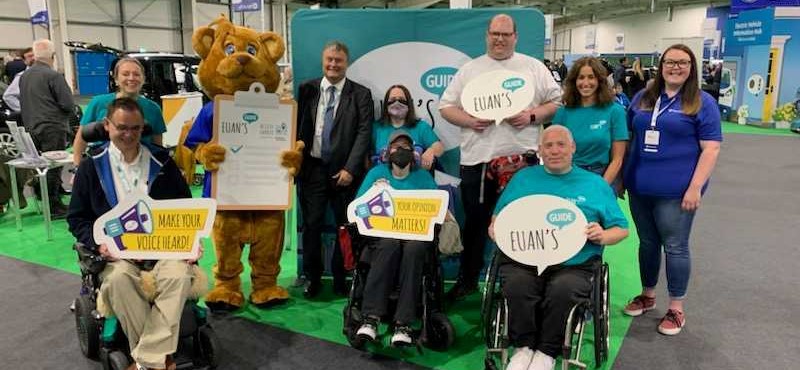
column 450, row 237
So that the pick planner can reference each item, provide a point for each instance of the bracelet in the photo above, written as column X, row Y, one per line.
column 533, row 118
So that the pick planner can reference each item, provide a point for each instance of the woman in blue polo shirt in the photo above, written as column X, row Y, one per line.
column 676, row 140
column 129, row 76
column 597, row 123
column 397, row 112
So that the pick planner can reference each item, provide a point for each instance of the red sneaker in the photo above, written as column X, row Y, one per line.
column 639, row 305
column 672, row 323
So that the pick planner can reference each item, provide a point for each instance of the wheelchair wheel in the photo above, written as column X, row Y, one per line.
column 573, row 336
column 87, row 327
column 440, row 333
column 209, row 348
column 117, row 360
column 602, row 320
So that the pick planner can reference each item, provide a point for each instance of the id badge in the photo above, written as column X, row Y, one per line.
column 651, row 139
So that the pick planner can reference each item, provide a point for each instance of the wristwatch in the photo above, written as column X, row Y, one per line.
column 533, row 118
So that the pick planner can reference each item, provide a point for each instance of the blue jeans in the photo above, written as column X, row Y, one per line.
column 662, row 222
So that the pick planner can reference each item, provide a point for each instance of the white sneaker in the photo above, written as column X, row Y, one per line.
column 521, row 359
column 541, row 361
column 368, row 330
column 402, row 337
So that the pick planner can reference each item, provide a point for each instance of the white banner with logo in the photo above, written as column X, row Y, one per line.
column 38, row 9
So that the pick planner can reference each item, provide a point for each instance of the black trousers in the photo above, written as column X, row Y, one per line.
column 538, row 305
column 386, row 257
column 315, row 191
column 52, row 138
column 479, row 196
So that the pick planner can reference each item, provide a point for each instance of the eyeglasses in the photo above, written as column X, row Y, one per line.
column 498, row 35
column 677, row 63
column 131, row 128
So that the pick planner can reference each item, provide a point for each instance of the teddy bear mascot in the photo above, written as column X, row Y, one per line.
column 232, row 58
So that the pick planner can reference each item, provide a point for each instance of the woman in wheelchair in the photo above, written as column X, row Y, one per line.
column 387, row 256
column 539, row 304
column 102, row 181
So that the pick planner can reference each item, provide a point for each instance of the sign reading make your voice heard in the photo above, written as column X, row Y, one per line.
column 540, row 230
column 497, row 95
column 143, row 228
column 385, row 212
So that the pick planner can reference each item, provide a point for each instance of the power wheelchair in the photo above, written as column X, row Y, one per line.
column 437, row 332
column 595, row 309
column 101, row 338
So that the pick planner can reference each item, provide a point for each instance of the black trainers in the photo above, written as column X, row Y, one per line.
column 369, row 329
column 460, row 290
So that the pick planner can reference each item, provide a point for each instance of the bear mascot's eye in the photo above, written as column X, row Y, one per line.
column 251, row 50
column 229, row 49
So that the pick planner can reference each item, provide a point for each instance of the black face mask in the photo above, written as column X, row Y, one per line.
column 401, row 157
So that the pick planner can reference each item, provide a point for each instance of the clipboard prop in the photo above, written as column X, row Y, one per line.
column 143, row 228
column 254, row 126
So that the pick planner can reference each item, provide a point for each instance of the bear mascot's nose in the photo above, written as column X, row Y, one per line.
column 243, row 59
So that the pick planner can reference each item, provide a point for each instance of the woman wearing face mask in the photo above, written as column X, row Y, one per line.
column 398, row 112
column 394, row 260
column 597, row 123
column 129, row 76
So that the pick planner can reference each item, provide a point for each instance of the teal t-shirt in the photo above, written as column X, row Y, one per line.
column 588, row 191
column 98, row 108
column 422, row 134
column 416, row 180
column 594, row 128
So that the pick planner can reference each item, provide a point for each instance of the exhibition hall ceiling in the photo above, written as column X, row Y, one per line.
column 565, row 11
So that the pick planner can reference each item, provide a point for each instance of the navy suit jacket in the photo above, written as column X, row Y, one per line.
column 352, row 130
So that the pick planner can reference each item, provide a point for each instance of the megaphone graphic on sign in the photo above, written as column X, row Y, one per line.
column 136, row 220
column 379, row 205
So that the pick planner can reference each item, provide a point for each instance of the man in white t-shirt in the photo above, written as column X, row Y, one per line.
column 483, row 140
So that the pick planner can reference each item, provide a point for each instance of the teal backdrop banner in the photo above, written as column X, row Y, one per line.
column 421, row 49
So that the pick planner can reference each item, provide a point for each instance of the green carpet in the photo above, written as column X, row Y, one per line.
column 323, row 319
column 733, row 128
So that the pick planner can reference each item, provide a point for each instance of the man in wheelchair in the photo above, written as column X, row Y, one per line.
column 538, row 305
column 386, row 256
column 102, row 181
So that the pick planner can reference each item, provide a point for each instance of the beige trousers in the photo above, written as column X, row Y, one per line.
column 152, row 327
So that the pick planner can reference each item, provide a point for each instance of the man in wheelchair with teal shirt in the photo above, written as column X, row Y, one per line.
column 539, row 304
column 149, row 319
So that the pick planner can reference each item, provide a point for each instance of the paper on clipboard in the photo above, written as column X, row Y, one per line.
column 254, row 127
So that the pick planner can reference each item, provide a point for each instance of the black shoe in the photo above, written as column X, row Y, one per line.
column 460, row 290
column 312, row 289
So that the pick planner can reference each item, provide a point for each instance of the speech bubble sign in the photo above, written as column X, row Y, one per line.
column 143, row 228
column 385, row 212
column 540, row 230
column 498, row 94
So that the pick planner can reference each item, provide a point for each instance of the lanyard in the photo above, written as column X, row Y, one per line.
column 135, row 169
column 657, row 112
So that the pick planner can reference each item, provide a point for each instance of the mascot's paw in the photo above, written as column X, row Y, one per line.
column 268, row 297
column 210, row 156
column 199, row 283
column 225, row 300
column 292, row 159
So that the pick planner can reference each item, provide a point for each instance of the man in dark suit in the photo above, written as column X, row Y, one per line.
column 335, row 122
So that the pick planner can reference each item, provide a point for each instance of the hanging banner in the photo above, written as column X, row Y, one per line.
column 246, row 5
column 620, row 42
column 548, row 28
column 38, row 10
column 591, row 36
